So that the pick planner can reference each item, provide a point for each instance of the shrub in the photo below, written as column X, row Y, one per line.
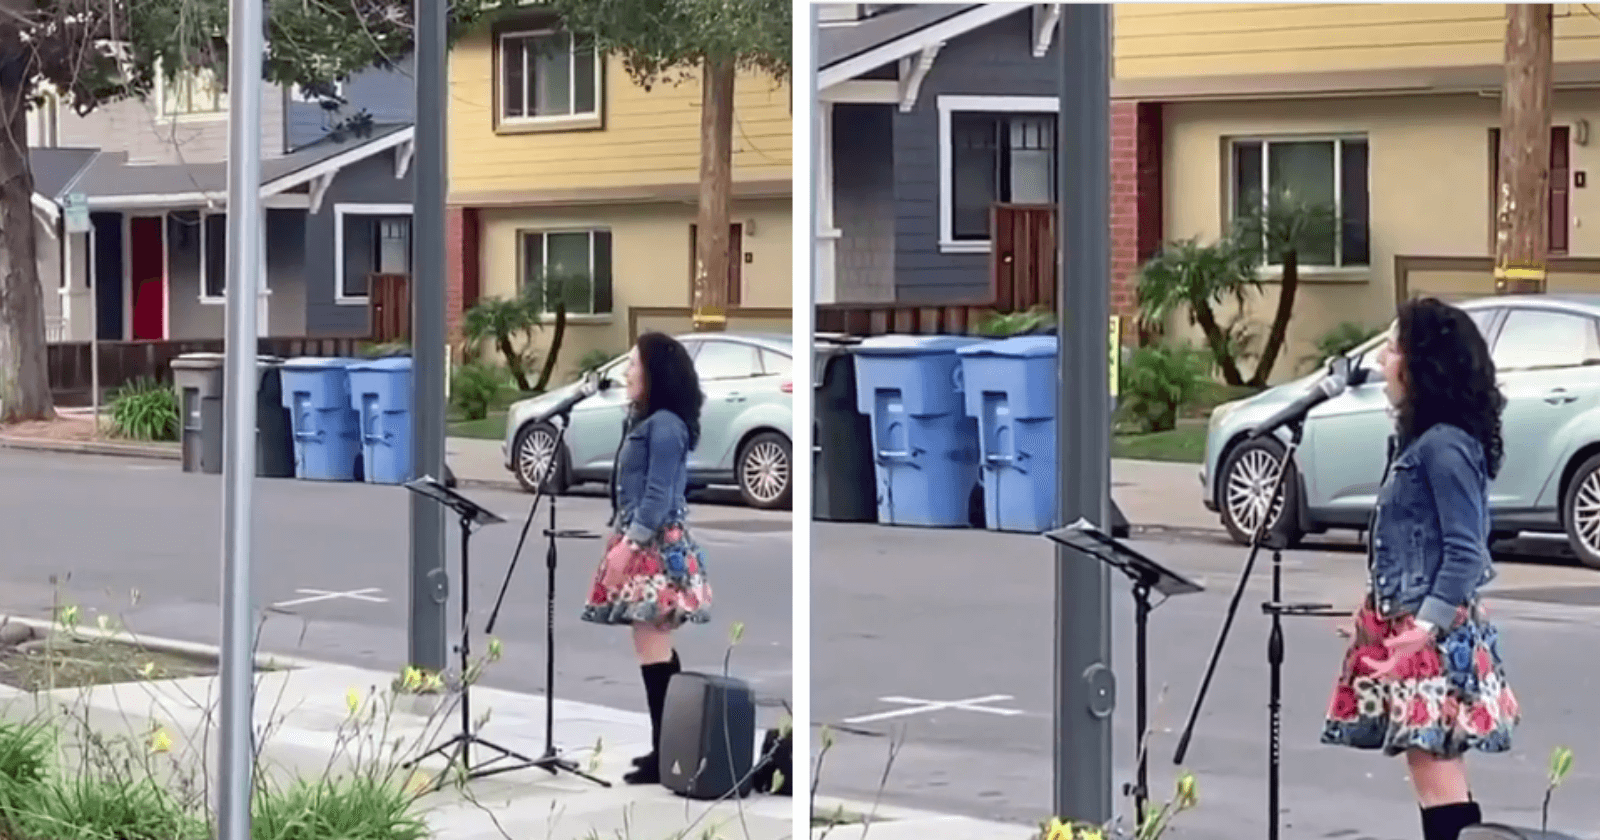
column 1159, row 382
column 1002, row 324
column 146, row 409
column 593, row 360
column 475, row 387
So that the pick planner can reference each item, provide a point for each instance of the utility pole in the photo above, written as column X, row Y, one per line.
column 429, row 589
column 1085, row 689
column 718, row 75
column 1522, row 198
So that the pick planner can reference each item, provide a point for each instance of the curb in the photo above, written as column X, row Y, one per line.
column 173, row 646
column 122, row 450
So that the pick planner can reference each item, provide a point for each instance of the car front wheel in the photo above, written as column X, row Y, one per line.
column 1246, row 482
column 1580, row 512
column 764, row 471
column 535, row 458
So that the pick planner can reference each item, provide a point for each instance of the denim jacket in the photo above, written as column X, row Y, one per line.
column 1430, row 531
column 650, row 476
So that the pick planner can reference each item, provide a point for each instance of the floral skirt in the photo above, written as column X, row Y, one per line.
column 1443, row 700
column 665, row 586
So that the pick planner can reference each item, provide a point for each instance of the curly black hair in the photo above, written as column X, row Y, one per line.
column 1449, row 376
column 670, row 382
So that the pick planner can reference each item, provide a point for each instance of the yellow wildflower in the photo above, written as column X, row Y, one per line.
column 160, row 741
column 352, row 700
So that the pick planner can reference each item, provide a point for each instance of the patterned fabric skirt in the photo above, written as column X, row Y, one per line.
column 1443, row 700
column 665, row 585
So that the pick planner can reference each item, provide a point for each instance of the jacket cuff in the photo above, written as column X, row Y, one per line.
column 639, row 534
column 1438, row 612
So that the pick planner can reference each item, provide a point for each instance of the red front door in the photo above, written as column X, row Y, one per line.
column 147, row 267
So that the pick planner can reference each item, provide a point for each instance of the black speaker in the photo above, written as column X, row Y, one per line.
column 708, row 736
column 1495, row 831
column 775, row 763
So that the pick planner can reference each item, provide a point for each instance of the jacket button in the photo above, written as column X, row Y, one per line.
column 1380, row 580
column 1378, row 543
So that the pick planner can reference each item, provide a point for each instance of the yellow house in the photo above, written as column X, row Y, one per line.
column 1389, row 111
column 557, row 158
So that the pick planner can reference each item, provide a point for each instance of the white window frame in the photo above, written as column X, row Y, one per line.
column 572, row 80
column 164, row 89
column 1266, row 141
column 947, row 106
column 339, row 212
column 591, row 229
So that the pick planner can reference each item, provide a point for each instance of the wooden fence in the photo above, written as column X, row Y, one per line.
column 124, row 362
column 389, row 307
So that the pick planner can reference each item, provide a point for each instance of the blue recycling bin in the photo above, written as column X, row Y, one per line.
column 1011, row 393
column 380, row 392
column 327, row 433
column 925, row 448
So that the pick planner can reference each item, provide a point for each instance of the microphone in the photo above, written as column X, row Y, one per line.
column 588, row 387
column 1325, row 389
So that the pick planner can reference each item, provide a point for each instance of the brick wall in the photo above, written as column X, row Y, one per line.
column 462, row 265
column 1136, row 201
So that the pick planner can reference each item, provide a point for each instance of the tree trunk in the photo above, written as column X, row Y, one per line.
column 1522, row 234
column 513, row 361
column 1219, row 349
column 716, row 182
column 556, row 337
column 1280, row 320
column 24, row 369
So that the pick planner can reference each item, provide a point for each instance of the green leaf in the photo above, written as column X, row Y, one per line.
column 1560, row 765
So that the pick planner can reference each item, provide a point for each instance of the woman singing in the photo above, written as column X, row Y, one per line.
column 1423, row 675
column 653, row 577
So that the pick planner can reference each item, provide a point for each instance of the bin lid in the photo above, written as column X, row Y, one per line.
column 387, row 364
column 914, row 345
column 1019, row 347
column 828, row 347
column 319, row 362
column 198, row 361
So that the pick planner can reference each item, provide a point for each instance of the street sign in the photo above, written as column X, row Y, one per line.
column 75, row 209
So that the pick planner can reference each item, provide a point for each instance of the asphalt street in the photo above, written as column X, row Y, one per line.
column 904, row 617
column 106, row 528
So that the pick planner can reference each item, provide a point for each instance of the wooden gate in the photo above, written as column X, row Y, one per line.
column 389, row 305
column 1022, row 256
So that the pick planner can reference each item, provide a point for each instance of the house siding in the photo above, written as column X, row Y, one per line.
column 389, row 96
column 996, row 60
column 192, row 318
column 371, row 181
column 134, row 126
column 1171, row 40
column 864, row 203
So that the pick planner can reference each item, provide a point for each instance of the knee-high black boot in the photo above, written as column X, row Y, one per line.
column 1445, row 822
column 657, row 676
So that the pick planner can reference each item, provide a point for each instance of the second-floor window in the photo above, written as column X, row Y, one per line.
column 192, row 93
column 547, row 76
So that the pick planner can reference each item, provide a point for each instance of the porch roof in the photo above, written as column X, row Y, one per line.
column 109, row 182
column 847, row 50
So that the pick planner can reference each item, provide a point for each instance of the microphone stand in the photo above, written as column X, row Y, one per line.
column 1274, row 608
column 551, row 761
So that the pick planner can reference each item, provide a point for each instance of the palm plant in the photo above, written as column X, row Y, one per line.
column 508, row 324
column 556, row 291
column 1195, row 277
column 1284, row 229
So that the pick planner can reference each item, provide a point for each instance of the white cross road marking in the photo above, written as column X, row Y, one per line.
column 919, row 706
column 315, row 595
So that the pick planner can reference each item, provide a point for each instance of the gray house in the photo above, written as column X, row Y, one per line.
column 940, row 125
column 153, row 177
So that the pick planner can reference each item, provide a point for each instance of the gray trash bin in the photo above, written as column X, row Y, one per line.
column 844, row 488
column 199, row 381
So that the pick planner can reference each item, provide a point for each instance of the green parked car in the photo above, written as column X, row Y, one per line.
column 746, row 425
column 1546, row 349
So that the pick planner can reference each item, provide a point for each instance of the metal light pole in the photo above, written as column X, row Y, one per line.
column 1085, row 688
column 245, row 247
column 428, row 577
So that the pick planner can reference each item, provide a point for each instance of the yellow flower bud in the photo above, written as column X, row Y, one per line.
column 352, row 700
column 160, row 741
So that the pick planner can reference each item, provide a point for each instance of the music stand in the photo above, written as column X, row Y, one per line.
column 1147, row 576
column 469, row 514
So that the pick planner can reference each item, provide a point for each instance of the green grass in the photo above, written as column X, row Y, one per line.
column 1185, row 444
column 492, row 427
